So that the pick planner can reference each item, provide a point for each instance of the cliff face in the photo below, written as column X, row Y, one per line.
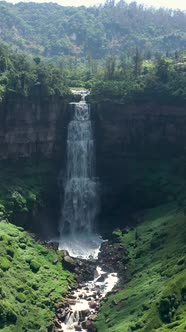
column 140, row 152
column 32, row 127
column 140, row 149
column 32, row 153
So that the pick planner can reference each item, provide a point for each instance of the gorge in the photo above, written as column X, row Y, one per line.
column 139, row 148
column 139, row 165
column 92, row 168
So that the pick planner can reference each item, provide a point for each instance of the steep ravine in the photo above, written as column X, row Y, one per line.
column 140, row 152
column 140, row 149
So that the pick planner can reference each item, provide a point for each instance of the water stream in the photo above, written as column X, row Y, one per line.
column 86, row 301
column 78, row 217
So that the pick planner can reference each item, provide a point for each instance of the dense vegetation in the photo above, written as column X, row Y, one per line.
column 29, row 77
column 154, row 297
column 50, row 29
column 163, row 79
column 28, row 187
column 32, row 281
column 125, row 79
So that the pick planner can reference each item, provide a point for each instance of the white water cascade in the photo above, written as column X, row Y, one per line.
column 81, row 201
column 87, row 301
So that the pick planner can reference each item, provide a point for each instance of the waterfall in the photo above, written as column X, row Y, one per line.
column 81, row 201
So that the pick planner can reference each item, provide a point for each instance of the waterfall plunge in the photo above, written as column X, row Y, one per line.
column 77, row 224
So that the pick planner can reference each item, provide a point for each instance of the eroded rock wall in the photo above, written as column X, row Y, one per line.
column 31, row 127
column 140, row 149
column 139, row 152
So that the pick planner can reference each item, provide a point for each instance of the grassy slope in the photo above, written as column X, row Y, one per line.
column 30, row 284
column 157, row 270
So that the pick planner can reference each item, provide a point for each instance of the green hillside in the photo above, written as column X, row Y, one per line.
column 154, row 297
column 51, row 30
column 31, row 284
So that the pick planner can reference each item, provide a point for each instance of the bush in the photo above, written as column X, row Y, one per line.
column 4, row 264
column 22, row 246
column 7, row 315
column 21, row 297
column 35, row 266
column 10, row 252
column 11, row 317
column 2, row 293
column 3, row 315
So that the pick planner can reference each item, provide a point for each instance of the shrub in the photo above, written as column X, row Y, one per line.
column 22, row 245
column 7, row 314
column 35, row 266
column 10, row 252
column 2, row 293
column 2, row 315
column 21, row 297
column 4, row 264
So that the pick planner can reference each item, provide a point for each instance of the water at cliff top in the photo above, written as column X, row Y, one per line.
column 80, row 206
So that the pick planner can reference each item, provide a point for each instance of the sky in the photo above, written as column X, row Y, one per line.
column 181, row 4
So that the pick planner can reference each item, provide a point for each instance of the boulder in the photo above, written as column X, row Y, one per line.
column 55, row 261
column 84, row 314
column 69, row 262
column 78, row 327
column 57, row 324
column 93, row 317
column 51, row 327
column 92, row 304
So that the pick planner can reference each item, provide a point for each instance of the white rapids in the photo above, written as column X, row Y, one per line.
column 87, row 300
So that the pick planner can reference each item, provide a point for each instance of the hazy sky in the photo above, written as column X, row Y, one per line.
column 158, row 3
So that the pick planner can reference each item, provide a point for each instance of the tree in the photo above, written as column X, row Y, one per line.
column 37, row 60
column 162, row 69
column 137, row 60
column 176, row 55
column 110, row 67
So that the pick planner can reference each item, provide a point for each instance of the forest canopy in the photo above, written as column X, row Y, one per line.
column 50, row 30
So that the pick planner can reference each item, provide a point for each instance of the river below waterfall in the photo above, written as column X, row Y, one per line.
column 82, row 304
column 96, row 279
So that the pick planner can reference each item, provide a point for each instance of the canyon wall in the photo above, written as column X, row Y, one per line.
column 32, row 127
column 32, row 154
column 140, row 157
column 140, row 149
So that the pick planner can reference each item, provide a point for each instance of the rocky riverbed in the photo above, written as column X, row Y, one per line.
column 96, row 279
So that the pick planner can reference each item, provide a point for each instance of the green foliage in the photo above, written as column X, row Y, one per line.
column 113, row 28
column 138, row 60
column 26, row 187
column 4, row 264
column 162, row 69
column 7, row 314
column 18, row 202
column 158, row 81
column 34, row 265
column 21, row 297
column 27, row 299
column 153, row 299
column 22, row 75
